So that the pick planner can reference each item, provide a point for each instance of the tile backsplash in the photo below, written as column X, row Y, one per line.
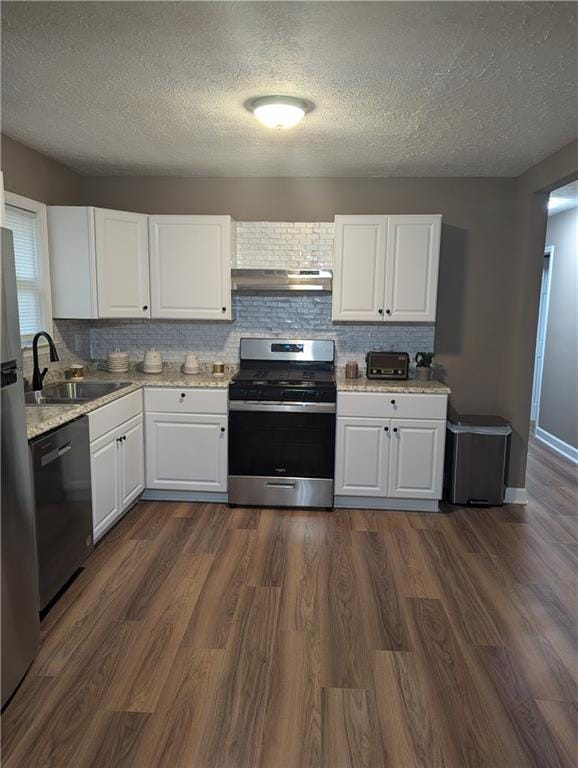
column 282, row 244
column 272, row 245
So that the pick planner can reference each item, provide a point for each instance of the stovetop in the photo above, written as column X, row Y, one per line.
column 283, row 384
column 284, row 376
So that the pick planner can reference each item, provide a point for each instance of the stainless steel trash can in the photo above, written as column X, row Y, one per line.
column 476, row 459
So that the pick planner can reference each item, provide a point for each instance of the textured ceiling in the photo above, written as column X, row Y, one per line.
column 401, row 89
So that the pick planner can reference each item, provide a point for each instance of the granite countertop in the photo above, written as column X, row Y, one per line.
column 410, row 386
column 43, row 418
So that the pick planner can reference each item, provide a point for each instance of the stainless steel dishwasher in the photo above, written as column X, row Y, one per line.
column 61, row 473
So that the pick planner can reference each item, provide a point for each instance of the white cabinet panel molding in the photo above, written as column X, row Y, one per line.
column 412, row 265
column 359, row 269
column 191, row 267
column 122, row 263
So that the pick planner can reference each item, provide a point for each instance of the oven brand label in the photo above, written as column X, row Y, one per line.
column 280, row 469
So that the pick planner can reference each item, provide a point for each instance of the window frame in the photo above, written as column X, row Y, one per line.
column 39, row 209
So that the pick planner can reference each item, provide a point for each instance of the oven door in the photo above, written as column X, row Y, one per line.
column 281, row 454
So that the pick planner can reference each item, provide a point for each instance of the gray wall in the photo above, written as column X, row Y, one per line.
column 529, row 230
column 477, row 243
column 492, row 249
column 29, row 173
column 559, row 397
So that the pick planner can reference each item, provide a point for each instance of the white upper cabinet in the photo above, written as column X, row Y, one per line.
column 190, row 259
column 359, row 272
column 122, row 263
column 411, row 268
column 386, row 268
column 98, row 262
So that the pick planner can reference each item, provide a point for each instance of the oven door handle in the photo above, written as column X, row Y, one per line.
column 276, row 406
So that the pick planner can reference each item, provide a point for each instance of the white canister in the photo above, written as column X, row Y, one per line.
column 192, row 364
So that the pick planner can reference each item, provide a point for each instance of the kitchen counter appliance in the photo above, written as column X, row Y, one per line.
column 387, row 365
column 282, row 405
column 61, row 474
column 20, row 621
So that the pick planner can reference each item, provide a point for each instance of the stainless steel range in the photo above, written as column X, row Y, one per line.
column 282, row 405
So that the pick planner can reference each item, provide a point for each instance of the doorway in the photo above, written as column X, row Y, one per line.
column 541, row 331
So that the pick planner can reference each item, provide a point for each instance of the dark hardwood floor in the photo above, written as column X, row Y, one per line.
column 201, row 636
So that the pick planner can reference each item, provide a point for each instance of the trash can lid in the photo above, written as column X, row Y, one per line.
column 479, row 424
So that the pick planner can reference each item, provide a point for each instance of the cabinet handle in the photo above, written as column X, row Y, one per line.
column 223, row 309
column 386, row 429
column 395, row 429
column 380, row 311
column 145, row 307
column 388, row 311
column 393, row 402
column 222, row 429
column 183, row 394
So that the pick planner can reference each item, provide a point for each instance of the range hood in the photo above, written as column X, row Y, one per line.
column 281, row 280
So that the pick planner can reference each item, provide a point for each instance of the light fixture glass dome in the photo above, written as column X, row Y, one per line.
column 279, row 111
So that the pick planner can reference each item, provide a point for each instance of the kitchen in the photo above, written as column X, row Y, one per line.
column 235, row 422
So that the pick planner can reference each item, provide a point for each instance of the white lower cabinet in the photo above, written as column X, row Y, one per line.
column 390, row 458
column 416, row 459
column 186, row 440
column 361, row 457
column 116, row 459
column 186, row 452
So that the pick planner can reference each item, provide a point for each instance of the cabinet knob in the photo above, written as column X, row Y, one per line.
column 223, row 309
column 388, row 311
column 380, row 311
column 119, row 439
column 222, row 429
column 145, row 307
column 393, row 402
column 386, row 429
column 183, row 394
column 395, row 429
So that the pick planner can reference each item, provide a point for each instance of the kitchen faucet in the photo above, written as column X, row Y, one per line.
column 38, row 375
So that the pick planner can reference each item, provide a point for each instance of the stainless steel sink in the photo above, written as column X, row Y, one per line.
column 67, row 392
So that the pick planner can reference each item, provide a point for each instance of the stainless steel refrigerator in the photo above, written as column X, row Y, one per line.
column 20, row 621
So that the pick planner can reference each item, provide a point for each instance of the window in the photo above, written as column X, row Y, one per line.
column 27, row 220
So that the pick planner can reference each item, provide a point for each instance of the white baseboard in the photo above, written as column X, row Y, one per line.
column 553, row 442
column 516, row 496
column 399, row 505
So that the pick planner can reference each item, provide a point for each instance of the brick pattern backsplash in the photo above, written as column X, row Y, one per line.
column 72, row 340
column 269, row 245
column 275, row 316
column 282, row 244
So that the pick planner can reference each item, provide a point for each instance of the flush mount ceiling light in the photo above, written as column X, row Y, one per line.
column 279, row 111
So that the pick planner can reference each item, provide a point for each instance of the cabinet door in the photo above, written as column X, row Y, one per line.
column 412, row 264
column 122, row 263
column 416, row 459
column 191, row 267
column 105, row 479
column 359, row 269
column 132, row 461
column 186, row 452
column 362, row 457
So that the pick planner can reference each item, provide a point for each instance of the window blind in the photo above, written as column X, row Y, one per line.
column 28, row 258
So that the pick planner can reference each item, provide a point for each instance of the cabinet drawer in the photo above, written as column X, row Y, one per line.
column 383, row 405
column 110, row 416
column 192, row 400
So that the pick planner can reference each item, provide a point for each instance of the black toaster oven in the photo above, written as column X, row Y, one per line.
column 387, row 365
